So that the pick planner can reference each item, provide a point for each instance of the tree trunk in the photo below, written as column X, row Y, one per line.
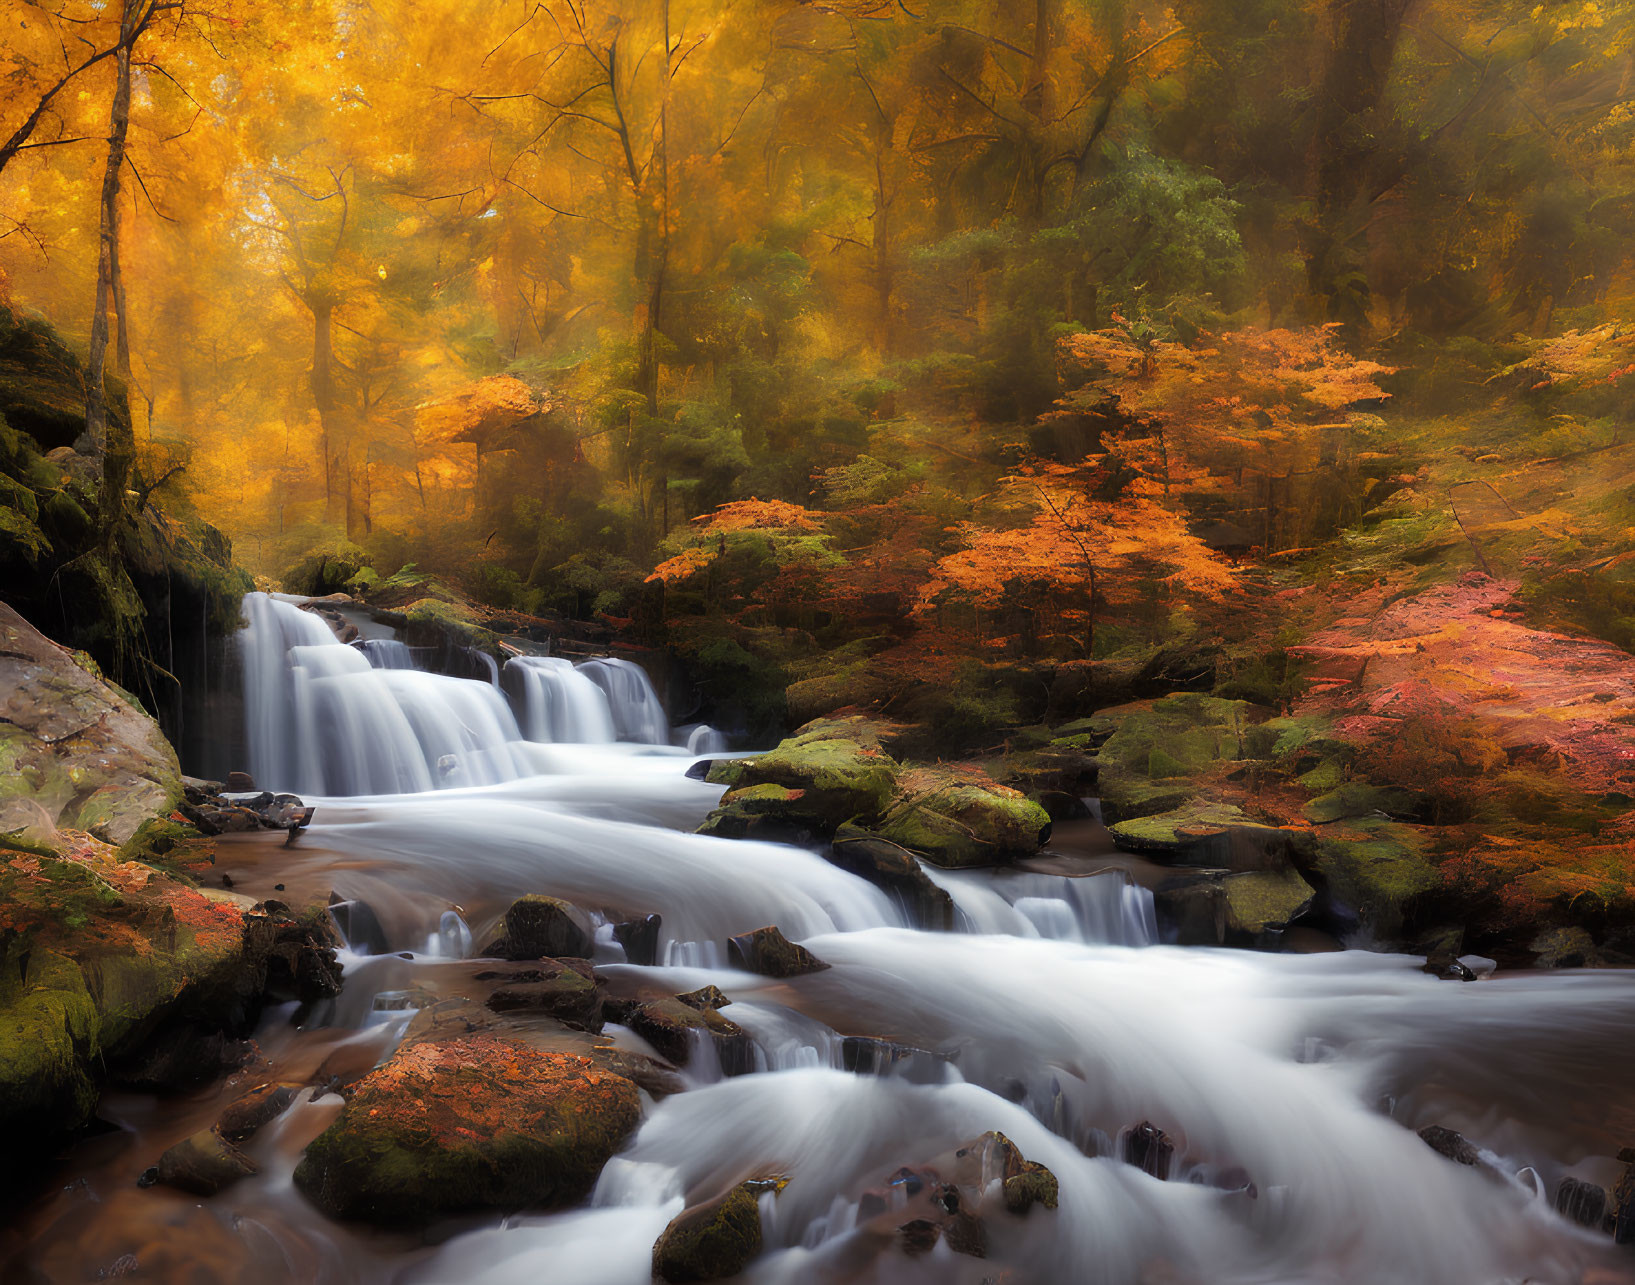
column 327, row 404
column 95, row 440
column 1364, row 44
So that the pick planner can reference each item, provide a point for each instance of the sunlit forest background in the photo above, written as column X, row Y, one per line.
column 848, row 345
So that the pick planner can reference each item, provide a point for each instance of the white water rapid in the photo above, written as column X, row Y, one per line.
column 1291, row 1086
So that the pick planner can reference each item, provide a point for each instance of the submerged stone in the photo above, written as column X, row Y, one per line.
column 203, row 1164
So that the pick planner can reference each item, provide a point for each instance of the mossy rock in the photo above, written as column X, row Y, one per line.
column 1201, row 832
column 1359, row 799
column 1127, row 794
column 477, row 1123
column 48, row 1035
column 962, row 817
column 1263, row 901
column 71, row 745
column 711, row 1241
column 1373, row 866
column 856, row 685
column 833, row 771
column 771, row 812
column 21, row 540
column 1328, row 775
column 1189, row 733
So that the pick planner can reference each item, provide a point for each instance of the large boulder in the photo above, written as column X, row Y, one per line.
column 72, row 745
column 768, row 952
column 960, row 816
column 674, row 1026
column 1151, row 752
column 469, row 1124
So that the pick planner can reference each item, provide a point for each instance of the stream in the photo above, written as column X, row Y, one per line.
column 1292, row 1085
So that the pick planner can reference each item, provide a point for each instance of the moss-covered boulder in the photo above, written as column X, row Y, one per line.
column 478, row 1123
column 1206, row 834
column 566, row 989
column 711, row 1241
column 1150, row 751
column 960, row 816
column 1360, row 799
column 72, row 745
column 1372, row 866
column 106, row 967
column 833, row 771
column 1260, row 902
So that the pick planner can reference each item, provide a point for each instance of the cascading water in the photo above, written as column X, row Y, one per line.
column 559, row 704
column 637, row 713
column 1291, row 1086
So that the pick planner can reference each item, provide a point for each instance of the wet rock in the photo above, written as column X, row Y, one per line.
column 180, row 1057
column 537, row 926
column 768, row 952
column 1051, row 769
column 301, row 962
column 710, row 1241
column 1582, row 1202
column 1622, row 1213
column 360, row 928
column 565, row 989
column 672, row 1028
column 1450, row 1143
column 1149, row 1149
column 864, row 1055
column 1373, row 866
column 261, row 1105
column 894, row 870
column 73, row 745
column 918, row 1236
column 240, row 783
column 203, row 1164
column 647, row 1073
column 467, row 1124
column 705, row 997
column 640, row 939
column 957, row 817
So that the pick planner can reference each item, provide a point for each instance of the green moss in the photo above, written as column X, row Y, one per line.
column 955, row 823
column 48, row 1035
column 1327, row 775
column 1359, row 799
column 1262, row 900
column 1374, row 866
column 711, row 1242
column 20, row 539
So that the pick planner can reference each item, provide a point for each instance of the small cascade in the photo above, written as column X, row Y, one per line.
column 325, row 720
column 638, row 714
column 702, row 740
column 389, row 653
column 485, row 662
column 559, row 703
column 1102, row 909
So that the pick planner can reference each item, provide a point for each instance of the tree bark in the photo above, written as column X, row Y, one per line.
column 96, row 395
column 1363, row 47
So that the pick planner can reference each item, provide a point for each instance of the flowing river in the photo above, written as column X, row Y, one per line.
column 1292, row 1085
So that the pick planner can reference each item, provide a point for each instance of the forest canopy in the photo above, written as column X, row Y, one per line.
column 798, row 333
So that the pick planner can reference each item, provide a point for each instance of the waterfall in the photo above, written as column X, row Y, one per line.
column 389, row 653
column 559, row 703
column 324, row 720
column 637, row 713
